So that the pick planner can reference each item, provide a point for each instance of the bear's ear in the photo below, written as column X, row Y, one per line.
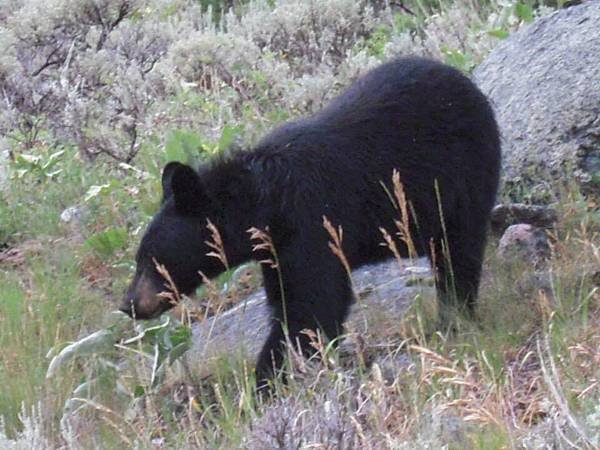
column 184, row 185
column 167, row 176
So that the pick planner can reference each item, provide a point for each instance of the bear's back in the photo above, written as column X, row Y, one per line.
column 405, row 99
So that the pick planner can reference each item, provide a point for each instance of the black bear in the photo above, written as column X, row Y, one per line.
column 422, row 118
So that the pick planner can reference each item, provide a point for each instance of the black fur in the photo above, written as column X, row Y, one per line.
column 420, row 117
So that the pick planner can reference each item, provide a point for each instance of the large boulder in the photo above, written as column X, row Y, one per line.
column 384, row 291
column 544, row 83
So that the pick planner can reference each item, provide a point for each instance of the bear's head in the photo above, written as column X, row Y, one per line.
column 175, row 240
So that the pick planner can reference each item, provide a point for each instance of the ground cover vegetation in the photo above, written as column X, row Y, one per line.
column 98, row 95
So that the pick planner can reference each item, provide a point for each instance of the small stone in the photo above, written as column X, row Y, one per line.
column 524, row 241
column 73, row 214
column 418, row 270
column 419, row 276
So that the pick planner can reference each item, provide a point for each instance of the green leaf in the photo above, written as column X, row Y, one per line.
column 179, row 335
column 98, row 342
column 157, row 371
column 524, row 12
column 52, row 160
column 24, row 158
column 85, row 388
column 138, row 391
column 54, row 173
column 148, row 332
column 176, row 352
column 498, row 33
column 96, row 190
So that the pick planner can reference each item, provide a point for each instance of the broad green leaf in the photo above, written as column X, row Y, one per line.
column 28, row 159
column 148, row 332
column 98, row 342
column 179, row 335
column 52, row 160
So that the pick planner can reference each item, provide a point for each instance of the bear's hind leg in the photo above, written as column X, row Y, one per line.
column 458, row 262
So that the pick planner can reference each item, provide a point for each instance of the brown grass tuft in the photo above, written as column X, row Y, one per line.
column 172, row 294
column 403, row 225
column 265, row 243
column 216, row 243
column 336, row 246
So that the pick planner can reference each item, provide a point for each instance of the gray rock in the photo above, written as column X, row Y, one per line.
column 381, row 290
column 544, row 82
column 73, row 220
column 73, row 214
column 524, row 241
column 510, row 214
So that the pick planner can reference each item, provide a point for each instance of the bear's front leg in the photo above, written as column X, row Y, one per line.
column 313, row 293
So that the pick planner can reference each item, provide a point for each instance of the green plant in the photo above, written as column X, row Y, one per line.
column 458, row 59
column 118, row 364
column 376, row 42
column 42, row 165
column 524, row 11
column 107, row 243
column 189, row 147
column 183, row 146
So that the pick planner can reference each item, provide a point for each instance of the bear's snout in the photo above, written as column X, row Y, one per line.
column 143, row 301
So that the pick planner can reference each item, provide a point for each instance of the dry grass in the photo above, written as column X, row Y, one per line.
column 494, row 385
column 527, row 373
column 335, row 245
column 216, row 244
